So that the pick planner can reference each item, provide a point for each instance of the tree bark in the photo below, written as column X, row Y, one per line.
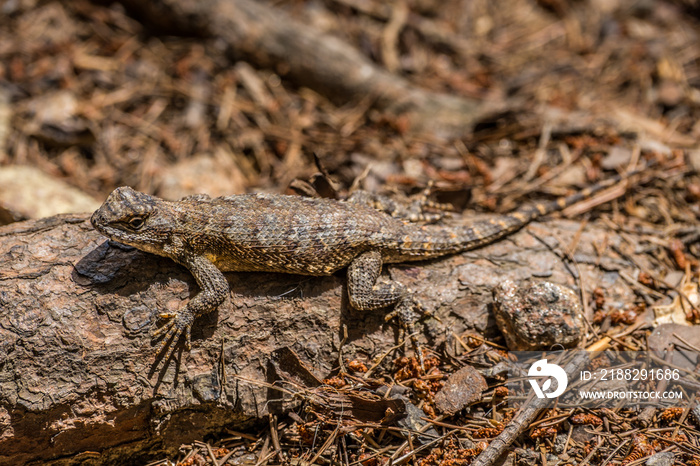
column 78, row 371
column 269, row 37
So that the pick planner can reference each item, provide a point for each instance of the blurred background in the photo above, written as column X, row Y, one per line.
column 96, row 95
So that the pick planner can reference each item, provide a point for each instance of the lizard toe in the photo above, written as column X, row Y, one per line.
column 165, row 329
column 170, row 342
column 407, row 312
column 172, row 332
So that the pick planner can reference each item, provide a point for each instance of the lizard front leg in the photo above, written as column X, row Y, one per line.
column 368, row 291
column 214, row 289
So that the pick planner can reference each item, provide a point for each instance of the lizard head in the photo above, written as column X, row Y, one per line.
column 133, row 218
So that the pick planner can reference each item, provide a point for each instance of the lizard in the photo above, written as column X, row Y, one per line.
column 299, row 235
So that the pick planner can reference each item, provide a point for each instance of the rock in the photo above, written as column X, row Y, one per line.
column 28, row 193
column 539, row 315
column 666, row 458
column 463, row 388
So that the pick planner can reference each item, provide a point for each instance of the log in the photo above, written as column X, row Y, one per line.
column 78, row 374
column 269, row 37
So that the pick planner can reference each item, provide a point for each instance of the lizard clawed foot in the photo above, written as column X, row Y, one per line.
column 407, row 312
column 180, row 322
column 421, row 205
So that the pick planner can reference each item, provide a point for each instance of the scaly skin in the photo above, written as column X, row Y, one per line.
column 292, row 234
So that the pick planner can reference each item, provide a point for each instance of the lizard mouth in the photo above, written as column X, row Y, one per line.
column 96, row 220
column 101, row 223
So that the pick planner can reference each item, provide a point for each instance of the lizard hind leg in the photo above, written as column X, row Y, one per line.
column 368, row 291
column 418, row 208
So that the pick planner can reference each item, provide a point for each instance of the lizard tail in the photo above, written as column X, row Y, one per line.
column 434, row 241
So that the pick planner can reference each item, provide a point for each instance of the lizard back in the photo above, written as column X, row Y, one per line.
column 275, row 233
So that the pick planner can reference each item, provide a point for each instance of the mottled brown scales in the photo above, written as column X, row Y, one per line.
column 292, row 234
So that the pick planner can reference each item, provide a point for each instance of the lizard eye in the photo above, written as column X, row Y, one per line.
column 136, row 223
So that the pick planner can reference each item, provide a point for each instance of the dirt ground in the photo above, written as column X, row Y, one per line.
column 96, row 95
